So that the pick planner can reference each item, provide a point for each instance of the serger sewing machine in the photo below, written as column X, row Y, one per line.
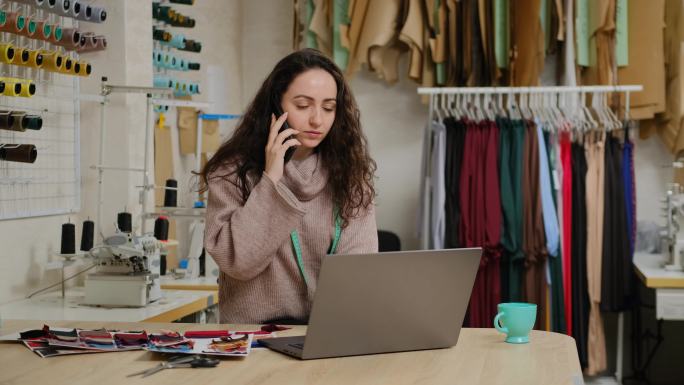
column 126, row 272
column 672, row 236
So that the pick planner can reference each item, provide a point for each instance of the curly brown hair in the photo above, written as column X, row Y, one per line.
column 344, row 151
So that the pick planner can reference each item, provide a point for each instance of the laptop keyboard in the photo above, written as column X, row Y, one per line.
column 297, row 346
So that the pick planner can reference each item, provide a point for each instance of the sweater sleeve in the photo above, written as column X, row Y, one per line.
column 243, row 237
column 361, row 235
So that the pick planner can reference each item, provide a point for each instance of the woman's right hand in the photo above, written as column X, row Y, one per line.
column 276, row 146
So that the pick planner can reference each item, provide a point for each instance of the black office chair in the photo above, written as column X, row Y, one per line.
column 388, row 241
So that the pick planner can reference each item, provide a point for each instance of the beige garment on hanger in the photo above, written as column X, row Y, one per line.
column 527, row 41
column 412, row 34
column 561, row 20
column 378, row 32
column 669, row 123
column 596, row 346
column 321, row 25
column 357, row 16
column 646, row 20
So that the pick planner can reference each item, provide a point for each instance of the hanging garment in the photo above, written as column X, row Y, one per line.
column 468, row 204
column 516, row 263
column 374, row 25
column 506, row 175
column 493, row 223
column 320, row 26
column 566, row 155
column 534, row 289
column 617, row 283
column 555, row 264
column 385, row 48
column 580, row 297
column 340, row 23
column 423, row 217
column 412, row 35
column 437, row 202
column 596, row 354
column 454, row 43
column 548, row 207
column 437, row 18
column 455, row 137
column 477, row 75
column 628, row 177
column 527, row 41
column 550, row 222
column 481, row 219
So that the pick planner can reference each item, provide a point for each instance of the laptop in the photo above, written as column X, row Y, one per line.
column 386, row 302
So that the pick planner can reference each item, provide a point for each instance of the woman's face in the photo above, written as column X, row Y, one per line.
column 310, row 102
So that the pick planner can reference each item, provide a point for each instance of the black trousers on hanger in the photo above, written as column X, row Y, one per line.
column 580, row 291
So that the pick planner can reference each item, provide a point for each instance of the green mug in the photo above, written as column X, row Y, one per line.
column 518, row 319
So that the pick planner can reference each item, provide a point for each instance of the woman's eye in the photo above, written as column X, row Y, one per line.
column 329, row 109
column 302, row 107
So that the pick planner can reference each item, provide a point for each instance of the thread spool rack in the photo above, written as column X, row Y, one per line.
column 51, row 185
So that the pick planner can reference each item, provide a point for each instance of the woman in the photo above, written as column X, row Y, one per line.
column 271, row 221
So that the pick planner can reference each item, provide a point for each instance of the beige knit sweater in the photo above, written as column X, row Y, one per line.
column 250, row 241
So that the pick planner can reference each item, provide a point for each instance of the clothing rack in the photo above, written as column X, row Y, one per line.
column 437, row 102
column 435, row 92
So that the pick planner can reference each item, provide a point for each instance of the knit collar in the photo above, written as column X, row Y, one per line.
column 306, row 178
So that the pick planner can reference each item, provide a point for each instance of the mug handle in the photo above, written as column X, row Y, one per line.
column 498, row 326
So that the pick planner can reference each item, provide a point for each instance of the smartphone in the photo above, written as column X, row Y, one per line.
column 277, row 111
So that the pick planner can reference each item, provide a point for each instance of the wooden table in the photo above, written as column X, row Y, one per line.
column 173, row 305
column 480, row 357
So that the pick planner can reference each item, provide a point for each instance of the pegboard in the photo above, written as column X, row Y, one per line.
column 50, row 185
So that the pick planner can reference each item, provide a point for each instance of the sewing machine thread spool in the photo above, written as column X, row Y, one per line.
column 7, row 53
column 85, row 69
column 161, row 228
column 87, row 235
column 35, row 59
column 68, row 239
column 20, row 121
column 170, row 196
column 14, row 23
column 21, row 56
column 23, row 153
column 6, row 119
column 124, row 222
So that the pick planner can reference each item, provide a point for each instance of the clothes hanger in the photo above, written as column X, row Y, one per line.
column 443, row 105
column 617, row 124
column 477, row 108
column 513, row 108
column 490, row 107
column 436, row 108
column 465, row 107
column 524, row 105
column 560, row 112
column 452, row 106
column 588, row 116
column 459, row 106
